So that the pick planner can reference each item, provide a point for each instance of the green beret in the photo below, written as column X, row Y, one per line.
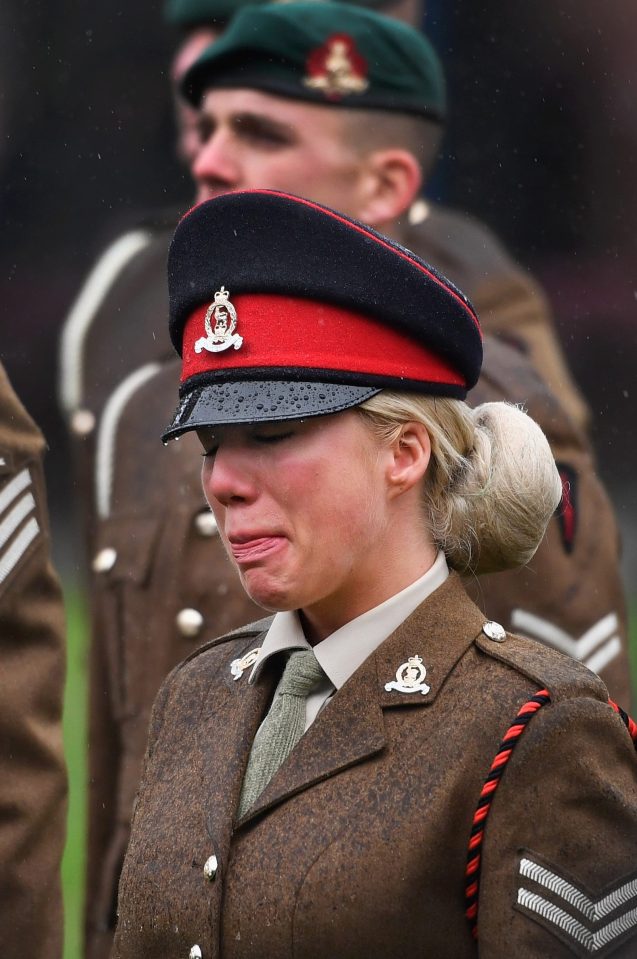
column 329, row 53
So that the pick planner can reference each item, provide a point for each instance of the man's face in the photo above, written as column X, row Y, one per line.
column 252, row 140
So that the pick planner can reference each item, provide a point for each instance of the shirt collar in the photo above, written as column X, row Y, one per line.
column 343, row 651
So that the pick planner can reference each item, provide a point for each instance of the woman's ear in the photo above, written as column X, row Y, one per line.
column 392, row 182
column 411, row 452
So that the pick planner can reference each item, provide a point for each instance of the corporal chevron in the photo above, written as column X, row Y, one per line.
column 571, row 910
column 18, row 527
column 596, row 647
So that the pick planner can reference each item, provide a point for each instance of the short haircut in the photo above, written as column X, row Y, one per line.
column 369, row 130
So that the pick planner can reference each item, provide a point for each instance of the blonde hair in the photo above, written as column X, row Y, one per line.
column 491, row 486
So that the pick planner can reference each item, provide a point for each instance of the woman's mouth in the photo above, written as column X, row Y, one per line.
column 252, row 550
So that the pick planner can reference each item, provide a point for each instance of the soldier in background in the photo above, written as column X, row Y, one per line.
column 32, row 769
column 162, row 584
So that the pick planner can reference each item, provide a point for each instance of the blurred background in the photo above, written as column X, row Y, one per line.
column 542, row 146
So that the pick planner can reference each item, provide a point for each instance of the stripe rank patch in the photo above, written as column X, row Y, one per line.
column 18, row 526
column 595, row 648
column 589, row 926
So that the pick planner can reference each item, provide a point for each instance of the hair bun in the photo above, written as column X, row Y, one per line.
column 505, row 493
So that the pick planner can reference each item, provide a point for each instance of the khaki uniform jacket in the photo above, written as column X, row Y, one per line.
column 357, row 847
column 32, row 770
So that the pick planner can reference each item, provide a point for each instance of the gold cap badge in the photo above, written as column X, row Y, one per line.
column 239, row 666
column 221, row 336
column 410, row 678
column 336, row 68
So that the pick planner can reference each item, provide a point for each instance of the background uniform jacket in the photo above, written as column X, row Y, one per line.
column 32, row 771
column 357, row 847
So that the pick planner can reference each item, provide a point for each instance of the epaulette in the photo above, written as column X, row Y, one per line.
column 248, row 631
column 565, row 678
column 462, row 232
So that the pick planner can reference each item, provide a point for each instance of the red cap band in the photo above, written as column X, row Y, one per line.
column 279, row 331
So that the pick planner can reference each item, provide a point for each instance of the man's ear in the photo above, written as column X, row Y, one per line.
column 411, row 452
column 393, row 179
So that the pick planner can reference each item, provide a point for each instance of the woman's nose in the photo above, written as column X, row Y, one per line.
column 227, row 477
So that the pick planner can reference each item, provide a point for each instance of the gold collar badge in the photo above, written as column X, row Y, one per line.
column 239, row 666
column 222, row 336
column 336, row 68
column 410, row 678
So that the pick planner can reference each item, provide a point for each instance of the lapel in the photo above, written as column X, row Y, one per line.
column 232, row 710
column 439, row 631
column 350, row 729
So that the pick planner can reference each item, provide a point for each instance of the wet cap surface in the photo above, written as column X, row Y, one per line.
column 262, row 401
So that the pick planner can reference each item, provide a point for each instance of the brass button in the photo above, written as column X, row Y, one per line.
column 189, row 622
column 210, row 868
column 195, row 953
column 418, row 212
column 494, row 631
column 82, row 422
column 105, row 560
column 206, row 524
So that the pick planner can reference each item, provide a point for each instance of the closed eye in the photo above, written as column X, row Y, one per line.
column 266, row 438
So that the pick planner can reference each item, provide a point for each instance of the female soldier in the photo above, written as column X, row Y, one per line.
column 323, row 784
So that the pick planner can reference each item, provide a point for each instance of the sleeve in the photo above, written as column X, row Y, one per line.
column 32, row 771
column 559, row 860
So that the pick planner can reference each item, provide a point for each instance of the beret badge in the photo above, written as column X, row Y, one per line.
column 222, row 335
column 336, row 68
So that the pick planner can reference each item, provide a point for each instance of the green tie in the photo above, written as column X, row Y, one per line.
column 282, row 727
